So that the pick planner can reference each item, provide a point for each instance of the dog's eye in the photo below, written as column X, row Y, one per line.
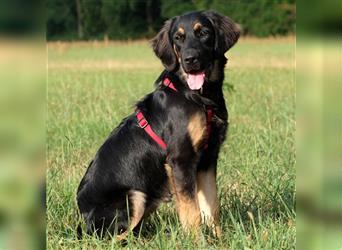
column 179, row 37
column 203, row 33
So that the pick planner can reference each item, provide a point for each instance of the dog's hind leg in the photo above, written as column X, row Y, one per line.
column 137, row 203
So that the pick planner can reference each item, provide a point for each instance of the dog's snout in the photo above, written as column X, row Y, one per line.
column 191, row 59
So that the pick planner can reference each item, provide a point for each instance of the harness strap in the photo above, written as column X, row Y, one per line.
column 143, row 123
column 167, row 82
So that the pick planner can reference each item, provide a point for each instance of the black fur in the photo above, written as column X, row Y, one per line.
column 130, row 160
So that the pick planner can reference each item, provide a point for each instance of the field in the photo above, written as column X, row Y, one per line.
column 93, row 85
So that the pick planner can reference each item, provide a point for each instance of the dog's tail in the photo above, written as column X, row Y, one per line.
column 79, row 231
column 79, row 219
column 82, row 183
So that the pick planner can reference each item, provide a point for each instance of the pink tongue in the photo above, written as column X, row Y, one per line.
column 195, row 81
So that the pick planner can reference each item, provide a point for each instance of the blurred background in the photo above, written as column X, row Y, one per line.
column 26, row 24
column 121, row 19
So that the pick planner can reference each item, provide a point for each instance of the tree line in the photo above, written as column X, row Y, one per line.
column 133, row 19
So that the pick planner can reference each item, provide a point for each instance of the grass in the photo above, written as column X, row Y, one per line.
column 93, row 85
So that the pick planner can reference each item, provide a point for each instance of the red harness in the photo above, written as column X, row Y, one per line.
column 143, row 123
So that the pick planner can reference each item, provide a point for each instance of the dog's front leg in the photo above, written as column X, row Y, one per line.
column 183, row 183
column 182, row 171
column 208, row 199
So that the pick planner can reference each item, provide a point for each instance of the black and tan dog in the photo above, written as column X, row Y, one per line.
column 172, row 142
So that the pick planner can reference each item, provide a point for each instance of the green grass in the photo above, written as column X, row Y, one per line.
column 92, row 86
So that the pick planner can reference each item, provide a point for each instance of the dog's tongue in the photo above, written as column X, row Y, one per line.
column 195, row 81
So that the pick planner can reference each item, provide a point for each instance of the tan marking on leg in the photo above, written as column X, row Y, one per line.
column 189, row 213
column 188, row 209
column 208, row 200
column 169, row 187
column 138, row 200
column 197, row 26
column 171, row 182
column 197, row 129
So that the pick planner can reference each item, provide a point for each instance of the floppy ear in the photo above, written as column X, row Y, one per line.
column 226, row 31
column 162, row 46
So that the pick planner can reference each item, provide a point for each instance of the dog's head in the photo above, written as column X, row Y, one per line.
column 191, row 43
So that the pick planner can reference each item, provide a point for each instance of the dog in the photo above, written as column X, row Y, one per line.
column 170, row 144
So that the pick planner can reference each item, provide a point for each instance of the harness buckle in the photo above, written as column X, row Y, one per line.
column 166, row 82
column 142, row 122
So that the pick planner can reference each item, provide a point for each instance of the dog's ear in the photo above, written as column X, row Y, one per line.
column 226, row 31
column 162, row 46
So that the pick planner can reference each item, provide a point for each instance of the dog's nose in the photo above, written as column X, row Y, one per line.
column 191, row 59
